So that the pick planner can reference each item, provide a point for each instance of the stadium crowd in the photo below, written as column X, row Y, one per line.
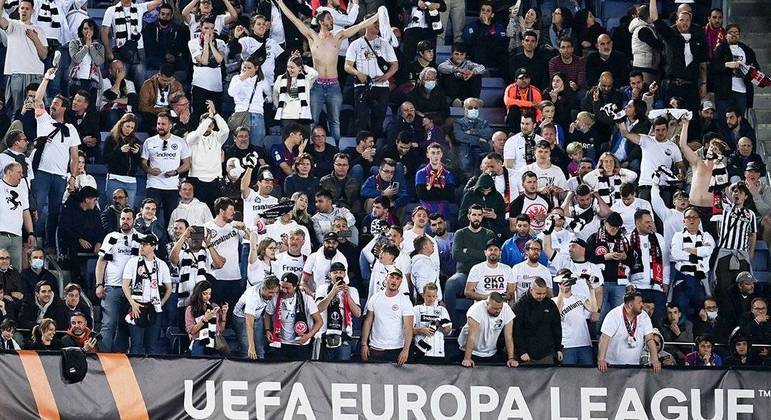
column 311, row 177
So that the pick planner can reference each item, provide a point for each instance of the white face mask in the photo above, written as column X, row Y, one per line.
column 472, row 113
column 429, row 85
column 711, row 315
column 36, row 264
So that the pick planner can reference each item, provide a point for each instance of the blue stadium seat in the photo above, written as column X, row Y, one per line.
column 346, row 142
column 270, row 141
column 493, row 82
column 612, row 23
column 615, row 8
column 491, row 97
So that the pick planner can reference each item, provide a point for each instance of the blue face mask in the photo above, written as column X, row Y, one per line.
column 429, row 85
column 36, row 264
column 472, row 113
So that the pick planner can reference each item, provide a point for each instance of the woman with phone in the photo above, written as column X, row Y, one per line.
column 204, row 320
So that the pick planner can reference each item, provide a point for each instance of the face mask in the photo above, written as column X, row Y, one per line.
column 711, row 315
column 429, row 85
column 472, row 113
column 36, row 264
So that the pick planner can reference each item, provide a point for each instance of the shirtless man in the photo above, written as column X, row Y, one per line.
column 700, row 195
column 325, row 46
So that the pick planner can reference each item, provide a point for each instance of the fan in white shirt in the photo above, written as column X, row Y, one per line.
column 574, row 311
column 629, row 204
column 386, row 261
column 625, row 330
column 293, row 259
column 490, row 276
column 388, row 327
column 516, row 148
column 190, row 208
column 316, row 270
column 486, row 320
column 424, row 270
column 526, row 271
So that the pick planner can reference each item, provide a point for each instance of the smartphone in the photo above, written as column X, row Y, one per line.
column 395, row 185
column 487, row 209
column 98, row 337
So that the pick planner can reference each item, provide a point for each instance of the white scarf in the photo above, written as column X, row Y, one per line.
column 302, row 95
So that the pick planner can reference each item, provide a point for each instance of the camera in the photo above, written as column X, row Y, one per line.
column 435, row 324
column 339, row 281
column 198, row 233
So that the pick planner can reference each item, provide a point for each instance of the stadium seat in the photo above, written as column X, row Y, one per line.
column 346, row 142
column 270, row 141
column 493, row 82
column 612, row 23
column 614, row 8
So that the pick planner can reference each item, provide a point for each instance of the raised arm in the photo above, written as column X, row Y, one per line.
column 633, row 137
column 232, row 14
column 353, row 30
column 691, row 156
column 41, row 91
column 295, row 20
column 653, row 10
column 187, row 12
column 3, row 20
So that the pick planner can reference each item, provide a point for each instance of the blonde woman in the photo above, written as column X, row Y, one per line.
column 608, row 177
column 302, row 217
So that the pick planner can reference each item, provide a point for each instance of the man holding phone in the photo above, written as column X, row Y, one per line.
column 384, row 184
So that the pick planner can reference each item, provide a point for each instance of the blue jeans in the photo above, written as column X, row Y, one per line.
column 112, row 184
column 689, row 294
column 143, row 338
column 49, row 190
column 583, row 356
column 112, row 315
column 257, row 129
column 239, row 325
column 197, row 349
column 244, row 263
column 328, row 97
column 452, row 289
column 340, row 354
column 366, row 271
column 612, row 296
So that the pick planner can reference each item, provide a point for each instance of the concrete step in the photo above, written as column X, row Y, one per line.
column 755, row 23
column 740, row 8
column 756, row 39
column 762, row 100
column 763, row 115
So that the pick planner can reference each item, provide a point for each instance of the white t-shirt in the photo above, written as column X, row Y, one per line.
column 424, row 315
column 552, row 175
column 737, row 82
column 15, row 199
column 256, row 273
column 655, row 154
column 490, row 279
column 321, row 293
column 276, row 25
column 575, row 331
column 255, row 203
column 252, row 303
column 163, row 277
column 623, row 350
column 514, row 149
column 226, row 240
column 165, row 159
column 121, row 252
column 390, row 313
column 317, row 266
column 583, row 270
column 23, row 58
column 627, row 212
column 109, row 20
column 378, row 275
column 524, row 275
column 424, row 271
column 288, row 305
column 408, row 245
column 490, row 328
column 276, row 229
column 365, row 60
column 56, row 154
column 205, row 77
column 286, row 262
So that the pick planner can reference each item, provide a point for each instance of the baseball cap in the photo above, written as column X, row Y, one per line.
column 395, row 271
column 290, row 278
column 707, row 105
column 492, row 242
column 521, row 72
column 263, row 175
column 745, row 276
column 148, row 239
column 615, row 220
column 330, row 236
column 753, row 166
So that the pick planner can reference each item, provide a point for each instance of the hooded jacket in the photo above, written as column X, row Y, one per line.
column 493, row 200
column 537, row 327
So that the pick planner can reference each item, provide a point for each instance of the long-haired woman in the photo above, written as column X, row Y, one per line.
column 204, row 319
column 122, row 154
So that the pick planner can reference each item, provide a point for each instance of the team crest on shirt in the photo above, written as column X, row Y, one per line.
column 668, row 152
column 13, row 199
column 537, row 212
column 300, row 328
column 395, row 307
column 174, row 146
column 601, row 250
column 498, row 324
column 213, row 233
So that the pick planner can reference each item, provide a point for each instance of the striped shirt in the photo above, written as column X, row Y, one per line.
column 738, row 224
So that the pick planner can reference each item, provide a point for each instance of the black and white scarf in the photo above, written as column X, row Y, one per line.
column 144, row 272
column 114, row 237
column 208, row 332
column 302, row 94
column 696, row 266
column 717, row 183
column 126, row 25
column 49, row 14
column 192, row 267
column 609, row 188
column 529, row 147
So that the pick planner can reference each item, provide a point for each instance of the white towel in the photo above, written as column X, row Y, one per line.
column 385, row 27
column 675, row 113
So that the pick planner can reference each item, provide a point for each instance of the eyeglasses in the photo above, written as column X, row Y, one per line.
column 691, row 217
column 5, row 258
column 387, row 171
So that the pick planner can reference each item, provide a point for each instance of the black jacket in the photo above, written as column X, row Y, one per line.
column 719, row 329
column 674, row 59
column 721, row 76
column 118, row 162
column 617, row 64
column 537, row 327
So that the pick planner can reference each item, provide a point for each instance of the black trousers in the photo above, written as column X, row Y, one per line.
column 370, row 108
column 167, row 201
column 290, row 353
column 207, row 192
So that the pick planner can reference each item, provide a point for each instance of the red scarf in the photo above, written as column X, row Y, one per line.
column 714, row 37
column 657, row 263
column 435, row 176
